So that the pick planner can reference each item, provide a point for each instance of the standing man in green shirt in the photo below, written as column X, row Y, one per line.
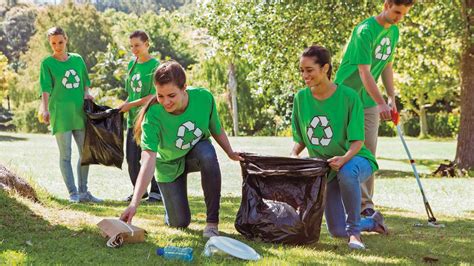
column 64, row 85
column 369, row 55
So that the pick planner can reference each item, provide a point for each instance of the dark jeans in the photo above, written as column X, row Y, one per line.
column 134, row 154
column 202, row 157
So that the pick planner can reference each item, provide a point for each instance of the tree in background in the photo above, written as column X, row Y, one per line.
column 427, row 59
column 17, row 28
column 271, row 35
column 465, row 147
column 7, row 78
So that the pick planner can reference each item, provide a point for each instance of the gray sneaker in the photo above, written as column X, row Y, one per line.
column 380, row 226
column 74, row 197
column 154, row 197
column 209, row 231
column 87, row 197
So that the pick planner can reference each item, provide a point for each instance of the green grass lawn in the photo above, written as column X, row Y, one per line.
column 56, row 232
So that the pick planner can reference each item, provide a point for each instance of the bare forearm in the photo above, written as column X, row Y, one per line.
column 353, row 149
column 141, row 101
column 144, row 176
column 223, row 141
column 45, row 100
column 387, row 79
column 370, row 84
column 297, row 149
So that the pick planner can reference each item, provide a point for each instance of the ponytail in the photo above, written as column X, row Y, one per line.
column 137, row 131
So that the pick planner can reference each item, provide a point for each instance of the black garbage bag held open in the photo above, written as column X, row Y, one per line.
column 103, row 143
column 282, row 199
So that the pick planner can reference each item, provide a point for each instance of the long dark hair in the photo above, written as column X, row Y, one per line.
column 321, row 56
column 169, row 72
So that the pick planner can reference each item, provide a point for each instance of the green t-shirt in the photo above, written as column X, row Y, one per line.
column 328, row 127
column 173, row 136
column 370, row 44
column 65, row 82
column 139, row 84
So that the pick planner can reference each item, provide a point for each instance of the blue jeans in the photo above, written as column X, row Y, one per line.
column 201, row 157
column 134, row 154
column 64, row 140
column 343, row 199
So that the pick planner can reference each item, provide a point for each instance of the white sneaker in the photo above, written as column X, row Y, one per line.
column 74, row 197
column 87, row 197
column 356, row 244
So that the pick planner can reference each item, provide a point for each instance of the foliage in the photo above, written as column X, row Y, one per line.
column 109, row 73
column 7, row 77
column 441, row 124
column 387, row 129
column 17, row 28
column 26, row 120
column 139, row 7
column 427, row 57
column 271, row 35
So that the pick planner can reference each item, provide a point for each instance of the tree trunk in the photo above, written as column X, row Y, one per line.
column 233, row 95
column 465, row 147
column 8, row 102
column 423, row 123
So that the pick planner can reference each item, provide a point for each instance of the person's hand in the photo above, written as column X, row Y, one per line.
column 391, row 102
column 125, row 107
column 292, row 155
column 45, row 117
column 235, row 156
column 128, row 214
column 88, row 96
column 337, row 162
column 384, row 111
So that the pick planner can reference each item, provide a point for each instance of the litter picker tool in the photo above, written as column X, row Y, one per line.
column 431, row 219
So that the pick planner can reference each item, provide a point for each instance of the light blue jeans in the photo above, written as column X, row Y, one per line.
column 64, row 140
column 343, row 199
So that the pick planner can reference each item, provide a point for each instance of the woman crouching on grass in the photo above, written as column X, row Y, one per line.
column 328, row 120
column 174, row 130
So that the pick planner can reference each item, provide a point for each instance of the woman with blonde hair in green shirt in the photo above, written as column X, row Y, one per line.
column 64, row 85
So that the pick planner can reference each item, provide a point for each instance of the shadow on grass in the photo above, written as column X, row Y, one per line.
column 58, row 244
column 393, row 174
column 11, row 138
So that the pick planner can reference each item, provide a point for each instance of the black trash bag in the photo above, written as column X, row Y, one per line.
column 282, row 199
column 104, row 135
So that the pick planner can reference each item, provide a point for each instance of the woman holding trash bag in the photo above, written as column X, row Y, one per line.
column 139, row 86
column 174, row 129
column 64, row 85
column 328, row 120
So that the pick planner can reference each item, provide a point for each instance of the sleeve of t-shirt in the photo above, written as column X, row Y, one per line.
column 355, row 128
column 295, row 122
column 150, row 133
column 85, row 75
column 362, row 53
column 46, row 79
column 214, row 122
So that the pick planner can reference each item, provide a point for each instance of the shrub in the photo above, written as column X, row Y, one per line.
column 26, row 119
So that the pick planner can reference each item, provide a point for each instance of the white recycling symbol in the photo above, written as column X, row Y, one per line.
column 320, row 121
column 136, row 78
column 379, row 53
column 182, row 131
column 71, row 85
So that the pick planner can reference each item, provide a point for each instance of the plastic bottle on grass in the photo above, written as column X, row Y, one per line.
column 175, row 253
